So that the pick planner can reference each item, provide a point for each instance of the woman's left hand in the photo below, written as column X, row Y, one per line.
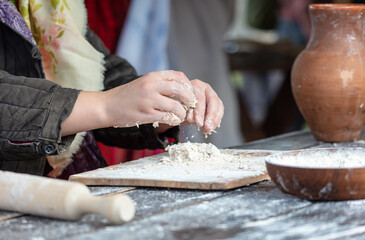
column 208, row 111
column 209, row 108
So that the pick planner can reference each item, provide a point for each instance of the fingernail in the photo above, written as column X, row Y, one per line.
column 209, row 124
column 190, row 116
column 199, row 121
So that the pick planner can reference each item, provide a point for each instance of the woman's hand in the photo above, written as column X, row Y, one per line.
column 157, row 97
column 209, row 109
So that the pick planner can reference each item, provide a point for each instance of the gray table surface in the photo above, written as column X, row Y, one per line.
column 258, row 211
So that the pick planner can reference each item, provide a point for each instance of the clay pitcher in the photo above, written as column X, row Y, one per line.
column 328, row 76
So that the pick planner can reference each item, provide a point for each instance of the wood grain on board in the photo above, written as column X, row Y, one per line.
column 149, row 172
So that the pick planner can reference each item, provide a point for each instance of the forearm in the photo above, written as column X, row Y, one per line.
column 89, row 113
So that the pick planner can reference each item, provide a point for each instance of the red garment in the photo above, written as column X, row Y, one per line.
column 106, row 18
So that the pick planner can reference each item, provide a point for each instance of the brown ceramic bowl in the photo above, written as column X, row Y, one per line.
column 310, row 174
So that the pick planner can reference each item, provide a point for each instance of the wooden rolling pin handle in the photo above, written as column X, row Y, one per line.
column 59, row 198
column 117, row 209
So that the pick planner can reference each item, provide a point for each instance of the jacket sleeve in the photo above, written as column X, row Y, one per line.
column 32, row 111
column 119, row 71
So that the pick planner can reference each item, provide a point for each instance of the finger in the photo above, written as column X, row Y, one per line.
column 214, row 111
column 181, row 78
column 199, row 111
column 175, row 75
column 190, row 116
column 166, row 104
column 179, row 91
column 168, row 118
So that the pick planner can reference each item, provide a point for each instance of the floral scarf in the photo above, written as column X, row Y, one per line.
column 59, row 28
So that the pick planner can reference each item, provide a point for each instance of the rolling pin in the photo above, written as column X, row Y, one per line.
column 61, row 199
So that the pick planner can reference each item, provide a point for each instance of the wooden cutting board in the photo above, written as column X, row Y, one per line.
column 247, row 168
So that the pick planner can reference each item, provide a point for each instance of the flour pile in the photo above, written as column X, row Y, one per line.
column 193, row 154
column 206, row 155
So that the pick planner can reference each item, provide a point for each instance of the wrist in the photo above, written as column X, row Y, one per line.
column 103, row 110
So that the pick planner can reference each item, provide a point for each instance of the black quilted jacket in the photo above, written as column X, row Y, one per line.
column 32, row 108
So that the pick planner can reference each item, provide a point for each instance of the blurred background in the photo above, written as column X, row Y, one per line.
column 243, row 48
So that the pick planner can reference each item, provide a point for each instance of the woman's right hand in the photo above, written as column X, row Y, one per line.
column 162, row 97
column 155, row 97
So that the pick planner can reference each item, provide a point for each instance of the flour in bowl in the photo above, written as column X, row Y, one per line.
column 321, row 158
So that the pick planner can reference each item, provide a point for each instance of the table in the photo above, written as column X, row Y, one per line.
column 259, row 211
